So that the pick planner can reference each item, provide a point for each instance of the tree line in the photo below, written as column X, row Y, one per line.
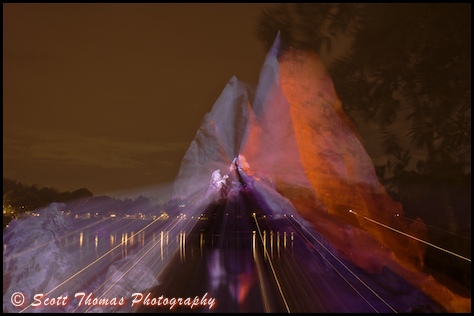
column 19, row 197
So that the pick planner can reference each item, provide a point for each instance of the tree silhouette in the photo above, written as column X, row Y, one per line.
column 407, row 61
column 19, row 198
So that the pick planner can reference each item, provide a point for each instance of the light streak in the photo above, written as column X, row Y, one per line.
column 70, row 233
column 125, row 272
column 174, row 225
column 413, row 237
column 168, row 245
column 437, row 228
column 347, row 268
column 271, row 243
column 254, row 251
column 86, row 267
column 161, row 246
column 272, row 268
column 278, row 243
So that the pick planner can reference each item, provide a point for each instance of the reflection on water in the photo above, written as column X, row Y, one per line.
column 122, row 244
column 92, row 245
column 112, row 240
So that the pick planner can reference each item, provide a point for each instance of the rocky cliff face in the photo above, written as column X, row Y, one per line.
column 295, row 136
column 217, row 141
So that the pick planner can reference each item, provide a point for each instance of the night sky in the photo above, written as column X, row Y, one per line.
column 109, row 96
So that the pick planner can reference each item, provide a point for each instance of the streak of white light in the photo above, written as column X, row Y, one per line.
column 346, row 267
column 272, row 268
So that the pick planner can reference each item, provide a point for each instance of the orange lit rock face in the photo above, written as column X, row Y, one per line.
column 333, row 158
column 271, row 147
column 303, row 142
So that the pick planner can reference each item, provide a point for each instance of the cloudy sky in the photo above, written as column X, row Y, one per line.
column 109, row 96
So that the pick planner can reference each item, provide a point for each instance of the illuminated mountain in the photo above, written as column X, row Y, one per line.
column 299, row 143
